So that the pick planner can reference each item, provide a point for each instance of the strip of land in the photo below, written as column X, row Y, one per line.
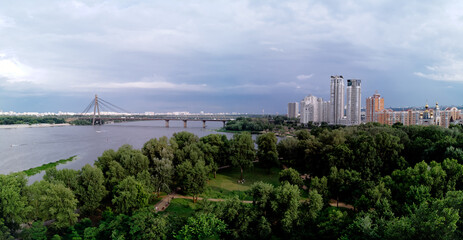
column 33, row 171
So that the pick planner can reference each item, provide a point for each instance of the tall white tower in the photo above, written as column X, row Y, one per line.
column 336, row 100
column 353, row 101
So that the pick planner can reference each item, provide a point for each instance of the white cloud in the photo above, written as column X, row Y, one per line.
column 276, row 49
column 162, row 85
column 304, row 77
column 12, row 70
column 449, row 70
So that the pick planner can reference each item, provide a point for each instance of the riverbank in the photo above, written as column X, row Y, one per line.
column 46, row 166
column 38, row 125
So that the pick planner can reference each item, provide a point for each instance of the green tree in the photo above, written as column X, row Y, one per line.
column 5, row 231
column 192, row 178
column 158, row 149
column 285, row 204
column 13, row 203
column 203, row 226
column 261, row 194
column 37, row 231
column 66, row 176
column 129, row 195
column 315, row 205
column 91, row 189
column 132, row 160
column 163, row 171
column 105, row 159
column 287, row 151
column 267, row 150
column 291, row 176
column 146, row 224
column 53, row 201
column 243, row 152
column 321, row 186
column 220, row 148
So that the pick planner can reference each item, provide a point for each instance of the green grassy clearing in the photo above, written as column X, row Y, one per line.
column 226, row 185
column 181, row 207
column 33, row 171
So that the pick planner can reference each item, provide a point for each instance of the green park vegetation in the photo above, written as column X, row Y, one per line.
column 390, row 182
column 9, row 120
column 32, row 171
column 277, row 124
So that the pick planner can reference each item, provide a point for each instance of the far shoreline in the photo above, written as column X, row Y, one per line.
column 38, row 125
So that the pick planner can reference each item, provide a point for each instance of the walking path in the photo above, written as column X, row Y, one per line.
column 165, row 201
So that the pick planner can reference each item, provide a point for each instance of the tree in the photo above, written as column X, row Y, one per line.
column 132, row 160
column 285, row 204
column 129, row 195
column 13, row 203
column 53, row 201
column 203, row 226
column 221, row 148
column 146, row 224
column 267, row 150
column 243, row 152
column 163, row 171
column 115, row 174
column 36, row 232
column 291, row 176
column 261, row 193
column 315, row 205
column 91, row 189
column 158, row 149
column 239, row 217
column 5, row 231
column 105, row 159
column 321, row 186
column 66, row 176
column 192, row 178
column 287, row 151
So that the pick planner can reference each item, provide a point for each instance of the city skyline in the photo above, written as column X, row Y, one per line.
column 221, row 56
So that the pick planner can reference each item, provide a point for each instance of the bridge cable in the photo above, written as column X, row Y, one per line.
column 120, row 109
column 88, row 107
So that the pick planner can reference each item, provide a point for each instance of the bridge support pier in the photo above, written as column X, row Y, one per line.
column 167, row 123
column 184, row 123
column 204, row 123
column 224, row 123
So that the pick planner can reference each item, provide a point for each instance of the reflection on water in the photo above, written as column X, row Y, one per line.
column 24, row 148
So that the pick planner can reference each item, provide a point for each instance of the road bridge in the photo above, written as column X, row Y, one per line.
column 98, row 103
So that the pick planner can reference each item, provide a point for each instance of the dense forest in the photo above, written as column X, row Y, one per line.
column 362, row 182
column 9, row 120
column 259, row 124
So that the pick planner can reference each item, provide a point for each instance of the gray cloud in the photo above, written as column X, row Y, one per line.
column 233, row 48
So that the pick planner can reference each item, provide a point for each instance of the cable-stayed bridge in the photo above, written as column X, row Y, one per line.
column 99, row 106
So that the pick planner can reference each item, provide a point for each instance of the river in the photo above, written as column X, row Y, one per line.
column 24, row 148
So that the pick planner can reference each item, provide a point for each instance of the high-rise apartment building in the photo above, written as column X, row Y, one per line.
column 375, row 103
column 354, row 101
column 336, row 110
column 293, row 109
column 313, row 109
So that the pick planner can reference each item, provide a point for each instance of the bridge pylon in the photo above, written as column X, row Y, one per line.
column 96, row 109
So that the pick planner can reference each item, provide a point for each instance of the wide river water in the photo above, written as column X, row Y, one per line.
column 24, row 148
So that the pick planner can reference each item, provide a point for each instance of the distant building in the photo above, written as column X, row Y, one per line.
column 336, row 109
column 425, row 117
column 374, row 104
column 354, row 102
column 313, row 109
column 293, row 110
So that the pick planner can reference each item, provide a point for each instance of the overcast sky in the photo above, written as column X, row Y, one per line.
column 224, row 56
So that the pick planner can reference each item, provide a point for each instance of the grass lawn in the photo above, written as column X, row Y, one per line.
column 226, row 185
column 181, row 207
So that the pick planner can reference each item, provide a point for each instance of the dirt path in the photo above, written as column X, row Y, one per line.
column 164, row 203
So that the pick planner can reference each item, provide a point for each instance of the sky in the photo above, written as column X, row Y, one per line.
column 225, row 56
